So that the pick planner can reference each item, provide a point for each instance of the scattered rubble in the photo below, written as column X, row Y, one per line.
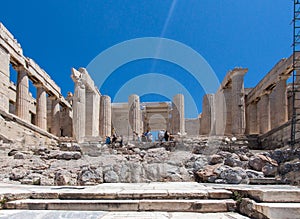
column 192, row 159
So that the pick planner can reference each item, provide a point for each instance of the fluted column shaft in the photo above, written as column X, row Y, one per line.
column 178, row 122
column 79, row 108
column 134, row 113
column 22, row 102
column 41, row 108
column 105, row 116
column 238, row 102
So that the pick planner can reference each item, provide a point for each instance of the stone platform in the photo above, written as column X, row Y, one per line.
column 150, row 200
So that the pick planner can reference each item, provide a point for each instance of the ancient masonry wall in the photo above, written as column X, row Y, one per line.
column 16, row 102
column 224, row 111
column 264, row 110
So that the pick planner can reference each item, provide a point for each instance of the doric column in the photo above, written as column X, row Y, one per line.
column 134, row 113
column 207, row 116
column 252, row 120
column 105, row 116
column 4, row 80
column 228, row 114
column 22, row 102
column 41, row 107
column 55, row 112
column 92, row 113
column 79, row 111
column 238, row 101
column 263, row 111
column 278, row 104
column 178, row 114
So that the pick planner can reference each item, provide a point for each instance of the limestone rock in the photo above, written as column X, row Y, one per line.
column 111, row 177
column 234, row 175
column 90, row 176
column 233, row 162
column 12, row 152
column 269, row 170
column 215, row 159
column 62, row 178
column 65, row 155
column 69, row 147
column 246, row 207
column 254, row 174
column 258, row 161
column 32, row 179
column 19, row 155
column 207, row 172
column 17, row 174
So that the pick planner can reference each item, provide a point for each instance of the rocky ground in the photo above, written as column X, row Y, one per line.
column 193, row 159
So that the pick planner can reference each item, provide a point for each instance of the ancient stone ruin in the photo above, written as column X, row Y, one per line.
column 241, row 136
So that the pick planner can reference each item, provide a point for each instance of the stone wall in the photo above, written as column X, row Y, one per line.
column 17, row 100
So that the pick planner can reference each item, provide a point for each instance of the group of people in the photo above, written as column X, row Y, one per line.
column 164, row 135
column 114, row 138
column 148, row 136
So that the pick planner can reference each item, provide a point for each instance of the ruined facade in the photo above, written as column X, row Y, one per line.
column 86, row 115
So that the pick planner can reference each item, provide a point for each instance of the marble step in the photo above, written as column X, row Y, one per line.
column 278, row 210
column 264, row 181
column 196, row 205
column 29, row 214
column 142, row 194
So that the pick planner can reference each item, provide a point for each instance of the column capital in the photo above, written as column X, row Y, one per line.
column 38, row 85
column 21, row 68
column 283, row 77
column 238, row 71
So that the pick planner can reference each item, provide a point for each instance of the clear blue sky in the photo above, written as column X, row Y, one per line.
column 60, row 34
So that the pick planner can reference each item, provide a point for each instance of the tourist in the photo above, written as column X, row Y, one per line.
column 107, row 140
column 149, row 136
column 161, row 134
column 167, row 135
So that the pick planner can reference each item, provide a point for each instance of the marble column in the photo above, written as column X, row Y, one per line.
column 228, row 116
column 41, row 107
column 105, row 116
column 263, row 111
column 278, row 104
column 92, row 113
column 134, row 113
column 22, row 102
column 207, row 117
column 251, row 114
column 55, row 111
column 79, row 111
column 178, row 114
column 4, row 80
column 238, row 101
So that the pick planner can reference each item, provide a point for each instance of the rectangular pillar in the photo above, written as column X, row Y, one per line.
column 278, row 104
column 252, row 120
column 263, row 108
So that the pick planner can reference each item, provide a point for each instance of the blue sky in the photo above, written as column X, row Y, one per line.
column 60, row 34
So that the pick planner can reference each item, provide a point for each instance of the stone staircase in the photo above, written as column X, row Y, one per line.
column 172, row 197
column 151, row 200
